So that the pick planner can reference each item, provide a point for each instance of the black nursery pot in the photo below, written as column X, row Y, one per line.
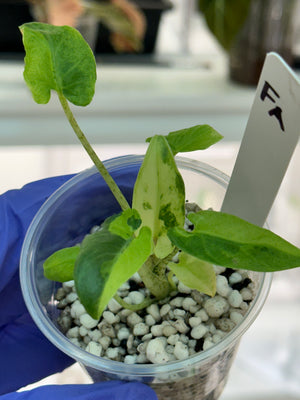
column 13, row 13
column 66, row 217
column 152, row 10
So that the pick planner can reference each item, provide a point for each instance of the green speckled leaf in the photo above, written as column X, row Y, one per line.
column 58, row 58
column 229, row 241
column 107, row 260
column 159, row 194
column 125, row 224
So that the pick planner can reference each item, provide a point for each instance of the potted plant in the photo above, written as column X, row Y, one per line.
column 148, row 303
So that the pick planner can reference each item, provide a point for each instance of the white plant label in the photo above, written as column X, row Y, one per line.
column 268, row 144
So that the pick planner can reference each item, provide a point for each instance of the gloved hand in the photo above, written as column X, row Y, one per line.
column 26, row 355
column 112, row 390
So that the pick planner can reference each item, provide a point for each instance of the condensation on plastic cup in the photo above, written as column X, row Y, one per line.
column 66, row 217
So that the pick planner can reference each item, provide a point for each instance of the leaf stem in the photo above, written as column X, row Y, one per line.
column 135, row 307
column 98, row 163
column 170, row 280
column 153, row 274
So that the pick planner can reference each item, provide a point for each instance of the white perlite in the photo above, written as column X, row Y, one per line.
column 110, row 317
column 87, row 321
column 216, row 306
column 235, row 299
column 114, row 306
column 194, row 321
column 94, row 348
column 77, row 309
column 199, row 331
column 140, row 329
column 172, row 329
column 123, row 333
column 136, row 297
column 153, row 310
column 222, row 286
column 181, row 351
column 156, row 352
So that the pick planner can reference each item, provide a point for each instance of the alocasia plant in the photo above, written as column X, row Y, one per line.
column 145, row 237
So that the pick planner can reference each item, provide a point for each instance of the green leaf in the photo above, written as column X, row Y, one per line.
column 229, row 241
column 198, row 137
column 125, row 224
column 105, row 262
column 225, row 18
column 159, row 194
column 60, row 265
column 195, row 273
column 58, row 58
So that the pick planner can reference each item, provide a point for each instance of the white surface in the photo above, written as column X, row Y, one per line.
column 268, row 144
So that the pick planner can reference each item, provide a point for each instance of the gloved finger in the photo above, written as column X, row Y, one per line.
column 21, row 213
column 112, row 390
column 27, row 356
column 17, row 209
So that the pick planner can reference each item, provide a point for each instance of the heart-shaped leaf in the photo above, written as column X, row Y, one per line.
column 58, row 58
column 227, row 240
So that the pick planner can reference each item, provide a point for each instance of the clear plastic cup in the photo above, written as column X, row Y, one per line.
column 66, row 217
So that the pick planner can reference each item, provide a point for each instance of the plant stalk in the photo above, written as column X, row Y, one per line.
column 153, row 274
column 135, row 307
column 98, row 163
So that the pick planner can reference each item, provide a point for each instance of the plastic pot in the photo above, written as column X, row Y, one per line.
column 66, row 217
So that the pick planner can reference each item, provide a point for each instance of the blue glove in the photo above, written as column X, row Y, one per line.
column 23, row 347
column 26, row 354
column 113, row 390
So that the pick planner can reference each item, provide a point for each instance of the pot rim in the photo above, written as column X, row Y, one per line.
column 44, row 323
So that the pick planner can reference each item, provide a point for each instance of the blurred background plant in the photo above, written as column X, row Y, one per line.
column 57, row 12
column 224, row 18
column 124, row 19
column 239, row 32
column 249, row 29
